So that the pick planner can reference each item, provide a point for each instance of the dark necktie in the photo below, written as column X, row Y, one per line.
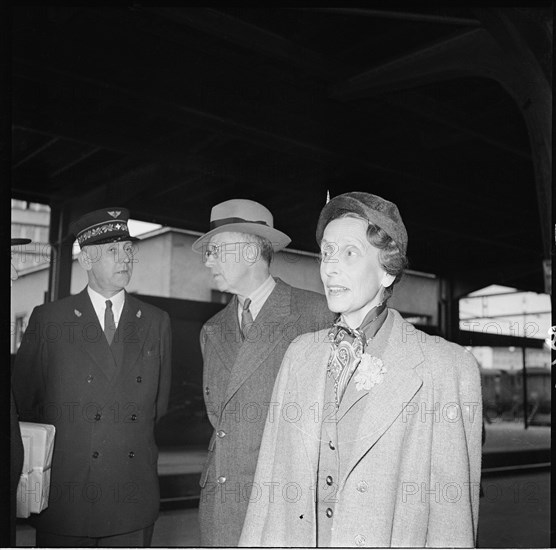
column 109, row 323
column 246, row 318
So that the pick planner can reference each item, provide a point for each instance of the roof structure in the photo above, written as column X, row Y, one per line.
column 169, row 110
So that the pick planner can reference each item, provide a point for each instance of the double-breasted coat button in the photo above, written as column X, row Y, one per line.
column 329, row 480
column 221, row 433
column 133, row 417
column 329, row 512
column 331, row 445
column 207, row 391
column 90, row 378
column 362, row 486
column 95, row 454
column 97, row 417
column 360, row 540
column 221, row 479
column 131, row 454
column 139, row 379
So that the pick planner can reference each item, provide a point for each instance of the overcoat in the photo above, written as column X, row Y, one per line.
column 104, row 401
column 410, row 458
column 238, row 378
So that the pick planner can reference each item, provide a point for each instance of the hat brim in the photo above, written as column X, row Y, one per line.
column 20, row 241
column 278, row 239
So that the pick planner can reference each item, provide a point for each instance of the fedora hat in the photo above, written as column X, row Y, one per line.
column 106, row 225
column 243, row 216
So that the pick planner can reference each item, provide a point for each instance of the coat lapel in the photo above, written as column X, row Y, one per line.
column 312, row 374
column 267, row 331
column 386, row 401
column 130, row 336
column 93, row 341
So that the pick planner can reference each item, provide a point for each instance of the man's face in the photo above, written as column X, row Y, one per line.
column 350, row 270
column 109, row 266
column 229, row 256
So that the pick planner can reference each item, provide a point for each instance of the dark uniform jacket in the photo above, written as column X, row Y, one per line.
column 104, row 401
column 238, row 378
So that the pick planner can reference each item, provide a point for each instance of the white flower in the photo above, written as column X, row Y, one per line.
column 77, row 312
column 370, row 371
column 139, row 314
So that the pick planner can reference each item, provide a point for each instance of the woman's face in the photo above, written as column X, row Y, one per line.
column 350, row 270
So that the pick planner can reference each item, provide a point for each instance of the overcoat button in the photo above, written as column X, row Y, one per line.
column 90, row 378
column 139, row 379
column 360, row 540
column 222, row 479
column 221, row 433
column 95, row 454
column 331, row 445
column 97, row 417
column 362, row 486
column 329, row 512
column 329, row 480
column 207, row 391
column 133, row 417
column 131, row 454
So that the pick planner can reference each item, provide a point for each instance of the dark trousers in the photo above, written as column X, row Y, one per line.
column 141, row 539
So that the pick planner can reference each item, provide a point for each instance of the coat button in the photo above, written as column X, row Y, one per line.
column 207, row 391
column 360, row 540
column 331, row 445
column 139, row 379
column 97, row 417
column 329, row 480
column 131, row 454
column 95, row 454
column 329, row 512
column 221, row 479
column 221, row 433
column 133, row 417
column 362, row 486
column 90, row 378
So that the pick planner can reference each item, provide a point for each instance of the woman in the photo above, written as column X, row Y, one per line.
column 373, row 436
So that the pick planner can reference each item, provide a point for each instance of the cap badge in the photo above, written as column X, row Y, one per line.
column 114, row 213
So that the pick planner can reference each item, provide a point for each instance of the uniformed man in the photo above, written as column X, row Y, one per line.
column 97, row 366
column 242, row 347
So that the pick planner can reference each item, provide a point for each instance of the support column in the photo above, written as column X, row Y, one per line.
column 59, row 273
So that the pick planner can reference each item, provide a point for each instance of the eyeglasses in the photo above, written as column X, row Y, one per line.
column 212, row 250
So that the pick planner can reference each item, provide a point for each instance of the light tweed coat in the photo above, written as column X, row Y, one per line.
column 238, row 378
column 414, row 441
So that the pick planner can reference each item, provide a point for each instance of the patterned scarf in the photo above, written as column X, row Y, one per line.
column 348, row 345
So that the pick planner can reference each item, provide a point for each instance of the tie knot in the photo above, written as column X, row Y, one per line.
column 109, row 304
column 246, row 304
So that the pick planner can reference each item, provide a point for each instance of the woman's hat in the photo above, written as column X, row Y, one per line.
column 375, row 209
column 243, row 216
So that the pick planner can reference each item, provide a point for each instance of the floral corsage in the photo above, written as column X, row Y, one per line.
column 370, row 372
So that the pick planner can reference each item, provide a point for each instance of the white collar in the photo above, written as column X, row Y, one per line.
column 99, row 303
column 258, row 297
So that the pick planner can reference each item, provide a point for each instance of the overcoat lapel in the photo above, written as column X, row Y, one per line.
column 93, row 341
column 386, row 401
column 268, row 330
column 224, row 335
column 130, row 336
column 312, row 374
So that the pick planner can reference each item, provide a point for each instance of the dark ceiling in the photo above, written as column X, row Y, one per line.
column 169, row 111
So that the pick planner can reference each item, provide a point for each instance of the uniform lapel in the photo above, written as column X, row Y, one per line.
column 93, row 341
column 386, row 401
column 268, row 330
column 130, row 336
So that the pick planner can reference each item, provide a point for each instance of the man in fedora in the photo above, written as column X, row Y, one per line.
column 242, row 348
column 97, row 366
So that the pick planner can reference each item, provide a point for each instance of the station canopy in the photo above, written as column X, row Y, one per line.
column 169, row 110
